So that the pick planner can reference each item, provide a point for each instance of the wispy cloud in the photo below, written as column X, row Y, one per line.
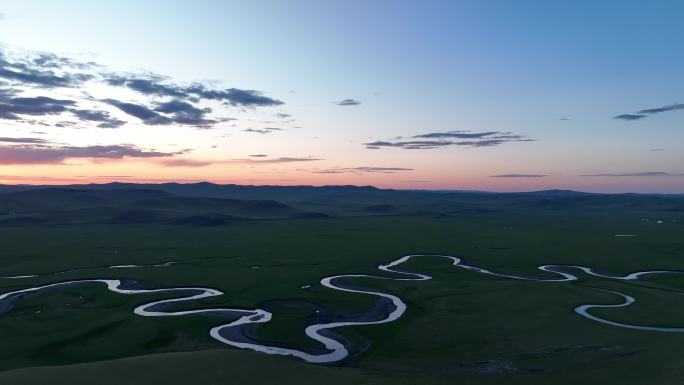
column 275, row 160
column 657, row 110
column 650, row 111
column 361, row 170
column 266, row 130
column 636, row 174
column 409, row 145
column 185, row 162
column 457, row 134
column 104, row 176
column 23, row 140
column 445, row 139
column 519, row 176
column 55, row 154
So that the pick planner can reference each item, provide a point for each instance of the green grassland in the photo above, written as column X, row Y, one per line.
column 461, row 327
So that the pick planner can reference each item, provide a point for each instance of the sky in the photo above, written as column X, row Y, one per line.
column 472, row 95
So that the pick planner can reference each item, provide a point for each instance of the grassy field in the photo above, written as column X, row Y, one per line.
column 460, row 327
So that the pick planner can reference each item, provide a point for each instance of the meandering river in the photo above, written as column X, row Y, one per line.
column 334, row 346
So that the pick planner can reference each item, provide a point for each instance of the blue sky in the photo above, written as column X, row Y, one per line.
column 550, row 75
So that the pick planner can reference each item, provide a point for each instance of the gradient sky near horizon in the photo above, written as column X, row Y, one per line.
column 485, row 95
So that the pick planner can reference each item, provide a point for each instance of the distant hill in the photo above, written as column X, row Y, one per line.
column 557, row 193
column 125, row 205
column 212, row 204
column 381, row 208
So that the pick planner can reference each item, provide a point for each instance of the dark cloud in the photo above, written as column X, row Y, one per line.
column 152, row 84
column 52, row 154
column 141, row 112
column 348, row 102
column 646, row 173
column 175, row 111
column 40, row 71
column 361, row 170
column 519, row 176
column 185, row 113
column 179, row 106
column 46, row 78
column 14, row 108
column 236, row 97
column 11, row 107
column 50, row 60
column 46, row 71
column 671, row 107
column 6, row 93
column 149, row 84
column 443, row 139
column 282, row 116
column 629, row 117
column 104, row 119
column 258, row 155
